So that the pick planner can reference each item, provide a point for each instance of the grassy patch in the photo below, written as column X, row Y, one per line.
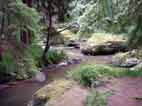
column 52, row 91
column 97, row 99
column 99, row 38
column 85, row 74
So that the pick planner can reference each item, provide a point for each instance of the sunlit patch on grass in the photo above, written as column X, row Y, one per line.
column 67, row 34
column 53, row 90
column 99, row 38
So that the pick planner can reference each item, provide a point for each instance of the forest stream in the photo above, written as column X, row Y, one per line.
column 19, row 93
column 70, row 52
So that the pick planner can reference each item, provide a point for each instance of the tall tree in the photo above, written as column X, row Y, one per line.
column 135, row 12
column 52, row 9
column 16, row 16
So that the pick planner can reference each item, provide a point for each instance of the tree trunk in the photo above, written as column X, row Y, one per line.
column 47, row 47
column 1, row 52
column 2, row 24
column 26, row 35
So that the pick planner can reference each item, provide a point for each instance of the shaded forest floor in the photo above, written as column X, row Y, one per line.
column 124, row 89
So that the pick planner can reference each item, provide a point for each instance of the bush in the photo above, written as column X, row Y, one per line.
column 7, row 68
column 20, row 64
column 55, row 56
column 26, row 67
column 7, row 62
column 87, row 74
column 36, row 53
column 97, row 99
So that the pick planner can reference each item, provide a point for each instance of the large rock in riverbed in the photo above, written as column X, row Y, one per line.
column 138, row 67
column 130, row 62
column 126, row 60
column 110, row 47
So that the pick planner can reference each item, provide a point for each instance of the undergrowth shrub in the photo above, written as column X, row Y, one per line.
column 87, row 74
column 36, row 53
column 20, row 64
column 7, row 67
column 97, row 99
column 55, row 56
column 7, row 62
column 29, row 64
column 26, row 67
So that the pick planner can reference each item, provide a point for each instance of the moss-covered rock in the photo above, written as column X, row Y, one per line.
column 128, row 59
column 50, row 92
column 106, row 48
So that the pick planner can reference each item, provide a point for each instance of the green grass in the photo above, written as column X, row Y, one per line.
column 85, row 74
column 97, row 99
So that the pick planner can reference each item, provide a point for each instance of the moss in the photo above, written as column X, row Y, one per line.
column 53, row 90
column 101, row 38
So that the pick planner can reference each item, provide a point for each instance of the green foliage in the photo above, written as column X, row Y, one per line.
column 111, row 16
column 135, row 36
column 102, row 16
column 14, row 69
column 26, row 67
column 36, row 53
column 23, row 65
column 55, row 56
column 132, row 73
column 29, row 64
column 17, row 16
column 86, row 74
column 7, row 67
column 26, row 16
column 97, row 99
